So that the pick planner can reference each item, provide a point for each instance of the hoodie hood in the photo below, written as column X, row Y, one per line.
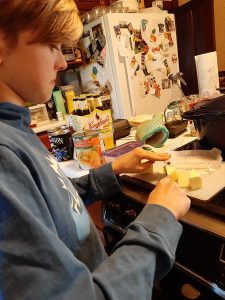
column 15, row 115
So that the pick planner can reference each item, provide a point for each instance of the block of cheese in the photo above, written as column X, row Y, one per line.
column 183, row 178
column 148, row 170
column 195, row 180
column 171, row 171
column 161, row 173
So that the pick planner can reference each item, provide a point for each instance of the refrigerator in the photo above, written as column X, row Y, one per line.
column 131, row 55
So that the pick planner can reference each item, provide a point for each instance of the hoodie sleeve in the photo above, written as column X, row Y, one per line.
column 101, row 183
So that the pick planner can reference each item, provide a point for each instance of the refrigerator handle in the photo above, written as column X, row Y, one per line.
column 132, row 100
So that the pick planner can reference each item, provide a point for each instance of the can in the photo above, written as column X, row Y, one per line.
column 61, row 144
column 87, row 145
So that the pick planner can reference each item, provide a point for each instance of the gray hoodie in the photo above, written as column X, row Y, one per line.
column 49, row 247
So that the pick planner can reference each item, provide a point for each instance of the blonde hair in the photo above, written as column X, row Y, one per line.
column 52, row 21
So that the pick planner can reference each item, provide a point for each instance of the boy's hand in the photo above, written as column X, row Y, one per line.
column 132, row 162
column 168, row 194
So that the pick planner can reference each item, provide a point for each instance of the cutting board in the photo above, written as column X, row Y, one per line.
column 212, row 183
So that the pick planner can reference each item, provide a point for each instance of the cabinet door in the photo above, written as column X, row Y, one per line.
column 88, row 5
column 195, row 35
column 43, row 136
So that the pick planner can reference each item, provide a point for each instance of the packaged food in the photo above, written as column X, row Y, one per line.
column 88, row 151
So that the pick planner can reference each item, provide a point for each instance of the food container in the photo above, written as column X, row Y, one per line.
column 121, row 128
column 61, row 143
column 112, row 154
column 87, row 145
column 38, row 113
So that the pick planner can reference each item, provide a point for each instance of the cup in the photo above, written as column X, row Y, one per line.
column 87, row 146
column 61, row 143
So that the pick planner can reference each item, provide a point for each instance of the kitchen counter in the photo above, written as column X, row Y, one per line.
column 46, row 125
column 72, row 170
column 201, row 251
column 194, row 216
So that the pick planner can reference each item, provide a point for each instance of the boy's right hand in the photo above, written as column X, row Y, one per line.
column 168, row 194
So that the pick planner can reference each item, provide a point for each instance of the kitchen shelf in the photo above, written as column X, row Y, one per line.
column 73, row 64
column 44, row 126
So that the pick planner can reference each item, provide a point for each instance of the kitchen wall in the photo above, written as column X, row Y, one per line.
column 219, row 12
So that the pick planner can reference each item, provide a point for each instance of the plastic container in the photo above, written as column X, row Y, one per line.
column 38, row 113
column 121, row 128
column 115, row 152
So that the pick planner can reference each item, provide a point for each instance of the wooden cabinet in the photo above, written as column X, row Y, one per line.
column 88, row 5
column 43, row 136
column 167, row 4
column 195, row 35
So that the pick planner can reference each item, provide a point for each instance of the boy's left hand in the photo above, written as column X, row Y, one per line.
column 132, row 162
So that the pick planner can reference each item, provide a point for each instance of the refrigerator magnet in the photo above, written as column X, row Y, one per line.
column 143, row 24
column 161, row 27
column 174, row 58
column 169, row 24
column 117, row 31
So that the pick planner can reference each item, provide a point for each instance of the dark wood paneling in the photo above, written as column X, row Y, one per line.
column 195, row 35
column 88, row 5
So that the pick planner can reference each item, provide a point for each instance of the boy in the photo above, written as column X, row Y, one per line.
column 49, row 248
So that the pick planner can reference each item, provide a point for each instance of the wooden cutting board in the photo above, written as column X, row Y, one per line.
column 213, row 183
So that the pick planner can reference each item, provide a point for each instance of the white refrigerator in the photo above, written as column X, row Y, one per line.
column 131, row 55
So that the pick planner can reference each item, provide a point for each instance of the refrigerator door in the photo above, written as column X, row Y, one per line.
column 143, row 52
column 99, row 69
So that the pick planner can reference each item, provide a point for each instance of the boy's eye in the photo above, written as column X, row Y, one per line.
column 55, row 47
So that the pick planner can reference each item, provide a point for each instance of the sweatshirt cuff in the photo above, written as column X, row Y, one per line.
column 158, row 219
column 106, row 181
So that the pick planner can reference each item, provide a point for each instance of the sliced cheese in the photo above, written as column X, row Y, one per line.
column 161, row 173
column 183, row 178
column 195, row 180
column 148, row 170
column 171, row 171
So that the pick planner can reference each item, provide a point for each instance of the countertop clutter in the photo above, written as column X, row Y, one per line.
column 72, row 170
column 46, row 125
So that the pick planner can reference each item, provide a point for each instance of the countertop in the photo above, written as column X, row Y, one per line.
column 45, row 125
column 71, row 168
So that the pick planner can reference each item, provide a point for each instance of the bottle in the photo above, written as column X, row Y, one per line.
column 97, row 102
column 59, row 101
column 192, row 128
column 76, row 104
column 68, row 94
column 84, row 105
column 106, row 102
column 51, row 109
column 90, row 101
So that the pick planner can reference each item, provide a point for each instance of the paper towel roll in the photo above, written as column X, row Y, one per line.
column 153, row 132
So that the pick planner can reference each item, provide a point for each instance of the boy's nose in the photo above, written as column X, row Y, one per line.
column 61, row 63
